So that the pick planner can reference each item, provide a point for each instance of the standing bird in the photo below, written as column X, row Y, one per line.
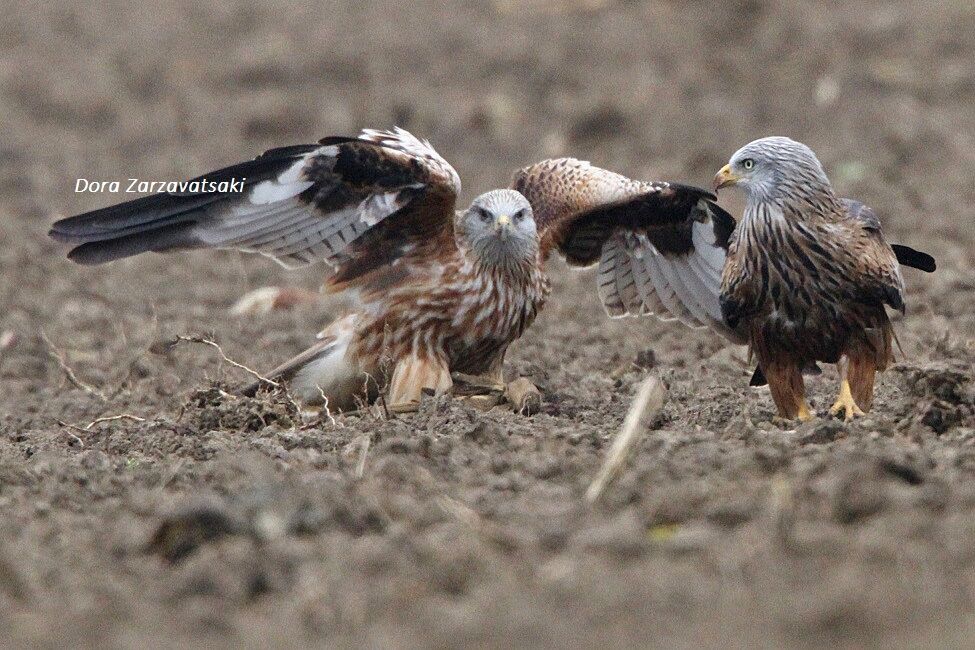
column 438, row 291
column 808, row 277
column 803, row 277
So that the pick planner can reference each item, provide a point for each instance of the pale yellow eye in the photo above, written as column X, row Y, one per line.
column 747, row 163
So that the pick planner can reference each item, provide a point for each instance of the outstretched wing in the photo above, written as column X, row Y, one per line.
column 660, row 246
column 357, row 203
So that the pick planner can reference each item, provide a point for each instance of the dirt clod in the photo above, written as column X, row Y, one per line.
column 215, row 409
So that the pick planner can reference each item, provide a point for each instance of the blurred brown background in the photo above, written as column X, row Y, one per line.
column 481, row 537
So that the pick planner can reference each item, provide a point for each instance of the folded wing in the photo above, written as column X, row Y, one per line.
column 358, row 204
column 660, row 246
column 906, row 256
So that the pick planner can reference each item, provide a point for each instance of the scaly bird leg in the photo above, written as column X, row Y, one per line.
column 411, row 376
column 845, row 401
column 805, row 413
column 787, row 388
column 475, row 384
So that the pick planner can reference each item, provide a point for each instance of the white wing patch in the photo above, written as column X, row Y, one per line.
column 288, row 184
column 658, row 301
column 706, row 248
column 377, row 207
column 664, row 289
column 634, row 278
column 274, row 222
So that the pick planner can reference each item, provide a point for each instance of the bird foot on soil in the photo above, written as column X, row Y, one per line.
column 845, row 403
column 805, row 414
column 484, row 393
column 524, row 396
column 404, row 407
column 467, row 385
column 480, row 391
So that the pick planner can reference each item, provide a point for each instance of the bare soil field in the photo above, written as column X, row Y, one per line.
column 200, row 518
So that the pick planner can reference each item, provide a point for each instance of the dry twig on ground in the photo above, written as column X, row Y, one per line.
column 75, row 441
column 360, row 467
column 112, row 418
column 58, row 357
column 182, row 338
column 646, row 405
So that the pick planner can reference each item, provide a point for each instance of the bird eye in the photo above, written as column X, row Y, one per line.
column 747, row 163
column 518, row 216
column 483, row 215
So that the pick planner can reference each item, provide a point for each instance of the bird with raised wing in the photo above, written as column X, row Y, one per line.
column 802, row 278
column 438, row 291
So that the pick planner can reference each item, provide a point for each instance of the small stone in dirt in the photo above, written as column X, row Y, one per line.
column 95, row 460
column 645, row 359
column 904, row 471
column 946, row 384
column 858, row 497
column 7, row 339
column 823, row 433
column 940, row 416
column 180, row 534
column 484, row 431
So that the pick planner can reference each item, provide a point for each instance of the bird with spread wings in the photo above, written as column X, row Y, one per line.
column 438, row 291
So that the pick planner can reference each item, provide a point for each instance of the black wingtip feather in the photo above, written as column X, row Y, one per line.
column 338, row 139
column 131, row 217
column 694, row 191
column 162, row 222
column 758, row 378
column 724, row 225
column 158, row 240
column 914, row 258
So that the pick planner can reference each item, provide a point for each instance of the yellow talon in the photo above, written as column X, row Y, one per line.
column 845, row 403
column 805, row 414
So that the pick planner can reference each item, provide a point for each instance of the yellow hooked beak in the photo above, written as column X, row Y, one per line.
column 502, row 223
column 725, row 178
